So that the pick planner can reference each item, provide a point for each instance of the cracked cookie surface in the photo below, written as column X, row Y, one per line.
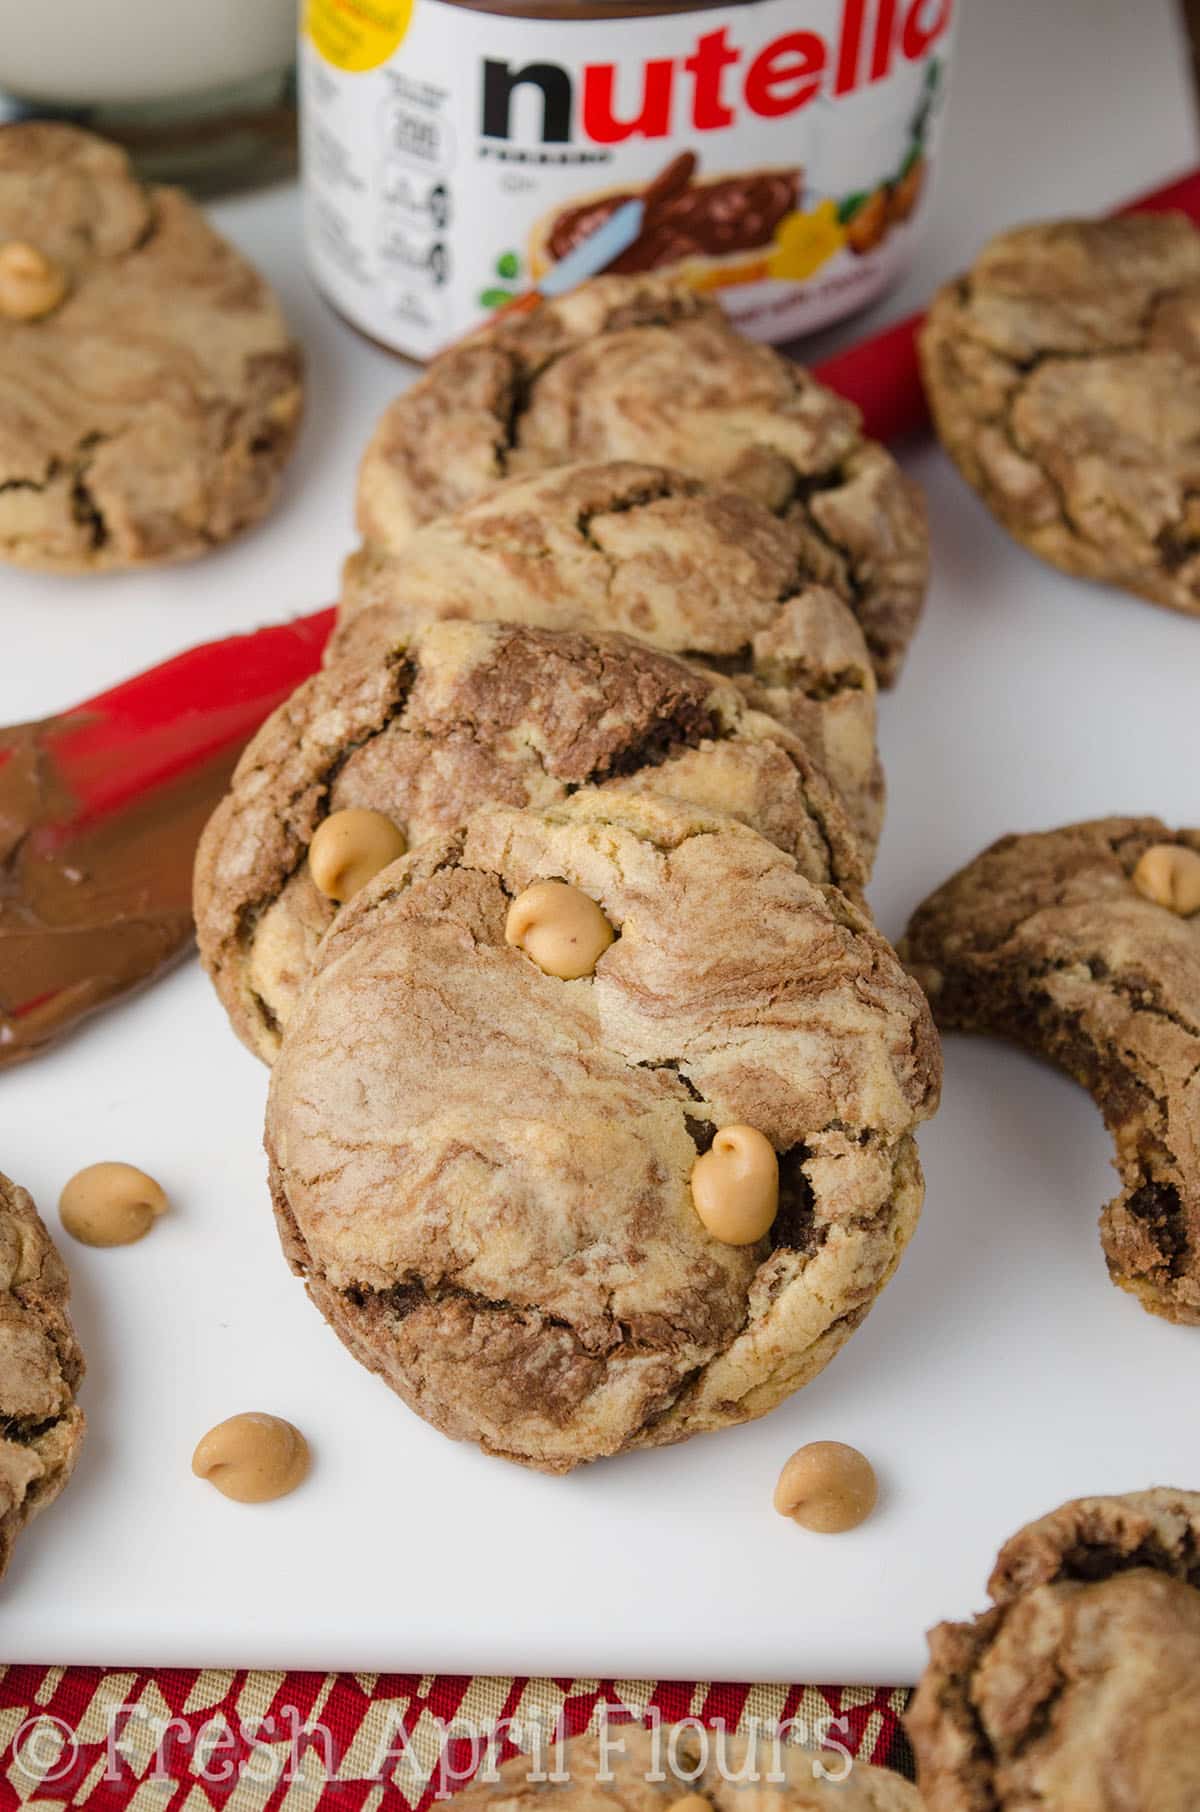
column 483, row 1173
column 1046, row 940
column 147, row 417
column 464, row 713
column 641, row 369
column 1080, row 1689
column 632, row 1769
column 41, row 1426
column 709, row 575
column 1064, row 376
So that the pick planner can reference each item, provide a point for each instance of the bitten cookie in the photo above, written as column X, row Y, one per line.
column 41, row 1426
column 1081, row 1688
column 636, row 368
column 484, row 1173
column 631, row 1769
column 1064, row 376
column 150, row 387
column 1083, row 944
column 706, row 574
column 464, row 713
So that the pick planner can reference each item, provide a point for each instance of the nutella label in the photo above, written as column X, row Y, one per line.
column 775, row 152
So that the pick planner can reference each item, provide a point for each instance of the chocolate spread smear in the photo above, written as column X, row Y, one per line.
column 696, row 219
column 91, row 905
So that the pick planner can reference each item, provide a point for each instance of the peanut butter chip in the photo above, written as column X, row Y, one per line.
column 1169, row 874
column 110, row 1205
column 691, row 1802
column 735, row 1186
column 350, row 848
column 827, row 1487
column 560, row 928
column 252, row 1458
column 31, row 285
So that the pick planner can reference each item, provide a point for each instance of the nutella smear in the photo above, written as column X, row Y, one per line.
column 463, row 155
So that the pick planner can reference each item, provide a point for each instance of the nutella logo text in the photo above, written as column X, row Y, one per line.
column 717, row 81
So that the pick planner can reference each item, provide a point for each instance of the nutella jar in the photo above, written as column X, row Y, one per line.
column 461, row 154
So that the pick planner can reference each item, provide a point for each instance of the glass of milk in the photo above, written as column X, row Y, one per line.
column 199, row 91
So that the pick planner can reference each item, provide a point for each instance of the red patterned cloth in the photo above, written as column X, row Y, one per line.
column 256, row 1742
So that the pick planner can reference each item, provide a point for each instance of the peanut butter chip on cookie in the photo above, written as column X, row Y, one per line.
column 31, row 285
column 560, row 928
column 827, row 1487
column 735, row 1186
column 1169, row 874
column 350, row 848
column 111, row 1204
column 252, row 1458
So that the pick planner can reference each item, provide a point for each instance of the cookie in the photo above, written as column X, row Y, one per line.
column 41, row 1425
column 1064, row 377
column 468, row 712
column 710, row 575
column 151, row 390
column 1081, row 1687
column 1051, row 940
column 643, row 369
column 627, row 1768
column 483, row 1173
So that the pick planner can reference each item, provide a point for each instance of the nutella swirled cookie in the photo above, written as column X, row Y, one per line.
column 1080, row 1689
column 594, row 1128
column 41, row 1426
column 1083, row 944
column 626, row 1768
column 635, row 368
column 1064, row 376
column 709, row 575
column 373, row 756
column 150, row 388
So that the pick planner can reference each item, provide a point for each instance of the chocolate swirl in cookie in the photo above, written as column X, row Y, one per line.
column 706, row 574
column 630, row 368
column 1081, row 1687
column 151, row 388
column 461, row 713
column 41, row 1425
column 483, row 1172
column 1051, row 940
column 1064, row 376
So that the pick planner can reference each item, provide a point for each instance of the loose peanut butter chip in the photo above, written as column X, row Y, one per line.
column 691, row 1802
column 560, row 928
column 828, row 1487
column 1169, row 874
column 31, row 285
column 110, row 1205
column 252, row 1458
column 349, row 849
column 735, row 1186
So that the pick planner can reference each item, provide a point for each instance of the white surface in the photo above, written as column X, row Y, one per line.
column 1000, row 1373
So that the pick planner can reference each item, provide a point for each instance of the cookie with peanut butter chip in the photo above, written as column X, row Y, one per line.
column 708, row 575
column 1083, row 944
column 151, row 390
column 1064, row 376
column 635, row 368
column 41, row 1425
column 414, row 741
column 627, row 1768
column 483, row 1171
column 1080, row 1688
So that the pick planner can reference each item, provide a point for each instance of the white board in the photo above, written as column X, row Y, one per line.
column 1000, row 1373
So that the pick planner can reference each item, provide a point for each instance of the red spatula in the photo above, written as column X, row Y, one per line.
column 101, row 807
